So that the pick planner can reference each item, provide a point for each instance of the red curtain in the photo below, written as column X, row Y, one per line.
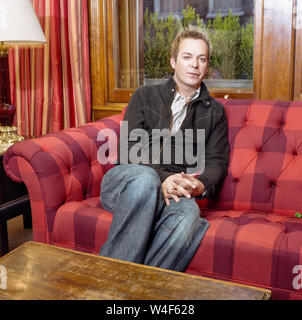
column 50, row 84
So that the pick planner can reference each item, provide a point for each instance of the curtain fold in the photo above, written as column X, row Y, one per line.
column 50, row 84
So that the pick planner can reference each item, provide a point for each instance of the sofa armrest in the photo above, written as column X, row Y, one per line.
column 57, row 168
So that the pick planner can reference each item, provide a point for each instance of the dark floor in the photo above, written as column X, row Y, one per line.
column 16, row 233
column 16, row 240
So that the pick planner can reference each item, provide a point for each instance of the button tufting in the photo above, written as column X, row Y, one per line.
column 236, row 180
column 295, row 153
column 273, row 184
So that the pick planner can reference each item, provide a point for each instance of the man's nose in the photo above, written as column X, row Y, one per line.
column 194, row 63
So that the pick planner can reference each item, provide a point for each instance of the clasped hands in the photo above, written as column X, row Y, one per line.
column 181, row 185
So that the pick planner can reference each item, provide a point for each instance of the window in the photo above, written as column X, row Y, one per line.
column 168, row 6
column 117, row 38
column 144, row 30
column 223, row 6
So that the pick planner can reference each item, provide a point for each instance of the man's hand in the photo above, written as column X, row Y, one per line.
column 181, row 185
column 168, row 186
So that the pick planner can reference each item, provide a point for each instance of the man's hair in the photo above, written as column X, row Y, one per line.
column 191, row 32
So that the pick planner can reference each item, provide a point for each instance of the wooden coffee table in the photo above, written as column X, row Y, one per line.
column 39, row 271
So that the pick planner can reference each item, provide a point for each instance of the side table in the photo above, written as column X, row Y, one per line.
column 14, row 201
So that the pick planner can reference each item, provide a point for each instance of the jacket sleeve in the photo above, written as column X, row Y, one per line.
column 134, row 119
column 217, row 151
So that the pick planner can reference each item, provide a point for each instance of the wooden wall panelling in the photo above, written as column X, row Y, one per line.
column 126, row 62
column 298, row 50
column 275, row 45
column 258, row 46
column 134, row 68
column 140, row 29
column 115, row 94
column 233, row 93
column 121, row 44
column 111, row 25
column 98, row 54
column 98, row 33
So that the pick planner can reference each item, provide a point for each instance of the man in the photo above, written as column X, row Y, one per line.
column 156, row 220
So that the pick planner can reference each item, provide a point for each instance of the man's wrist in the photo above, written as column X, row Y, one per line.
column 203, row 195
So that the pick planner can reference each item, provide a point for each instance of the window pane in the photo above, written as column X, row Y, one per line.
column 229, row 23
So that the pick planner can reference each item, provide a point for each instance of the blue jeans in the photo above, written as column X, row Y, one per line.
column 144, row 229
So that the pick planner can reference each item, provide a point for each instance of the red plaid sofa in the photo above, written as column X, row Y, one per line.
column 254, row 237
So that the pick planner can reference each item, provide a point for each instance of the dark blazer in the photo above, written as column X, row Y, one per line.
column 150, row 108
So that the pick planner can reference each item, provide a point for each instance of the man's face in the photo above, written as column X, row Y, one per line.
column 191, row 65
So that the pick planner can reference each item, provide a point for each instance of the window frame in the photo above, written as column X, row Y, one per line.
column 123, row 95
column 270, row 31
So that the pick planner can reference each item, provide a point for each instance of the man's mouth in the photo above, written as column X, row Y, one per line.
column 193, row 74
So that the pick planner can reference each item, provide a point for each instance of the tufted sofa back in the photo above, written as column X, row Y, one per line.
column 265, row 171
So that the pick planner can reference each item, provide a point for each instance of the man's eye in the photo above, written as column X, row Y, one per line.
column 186, row 57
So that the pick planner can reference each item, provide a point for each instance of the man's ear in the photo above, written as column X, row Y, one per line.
column 172, row 62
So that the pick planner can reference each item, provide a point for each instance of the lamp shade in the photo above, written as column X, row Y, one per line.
column 19, row 23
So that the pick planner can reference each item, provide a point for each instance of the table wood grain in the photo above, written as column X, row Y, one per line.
column 39, row 271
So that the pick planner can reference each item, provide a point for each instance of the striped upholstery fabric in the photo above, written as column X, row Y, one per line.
column 50, row 84
column 253, row 238
column 63, row 175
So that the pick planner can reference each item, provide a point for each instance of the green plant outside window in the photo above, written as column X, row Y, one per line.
column 233, row 44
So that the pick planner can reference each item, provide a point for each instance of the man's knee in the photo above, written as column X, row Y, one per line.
column 145, row 178
column 182, row 215
column 130, row 176
column 188, row 207
column 133, row 181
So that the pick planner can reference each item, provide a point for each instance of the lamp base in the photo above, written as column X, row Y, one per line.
column 8, row 137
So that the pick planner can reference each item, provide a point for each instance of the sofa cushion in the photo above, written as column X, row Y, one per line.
column 250, row 247
column 83, row 225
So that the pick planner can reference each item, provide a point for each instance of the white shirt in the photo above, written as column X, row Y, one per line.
column 179, row 109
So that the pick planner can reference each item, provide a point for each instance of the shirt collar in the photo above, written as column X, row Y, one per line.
column 193, row 95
